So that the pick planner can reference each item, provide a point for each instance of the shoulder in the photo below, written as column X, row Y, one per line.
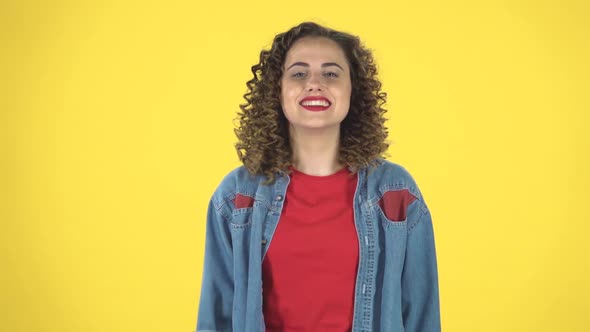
column 388, row 176
column 237, row 181
column 387, row 172
column 393, row 189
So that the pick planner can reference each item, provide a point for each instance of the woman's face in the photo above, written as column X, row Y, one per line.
column 315, row 86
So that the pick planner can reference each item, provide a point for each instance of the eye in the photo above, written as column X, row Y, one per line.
column 331, row 74
column 298, row 74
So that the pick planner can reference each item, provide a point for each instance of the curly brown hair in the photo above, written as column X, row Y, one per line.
column 263, row 139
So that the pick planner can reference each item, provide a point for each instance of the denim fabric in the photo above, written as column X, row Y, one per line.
column 397, row 280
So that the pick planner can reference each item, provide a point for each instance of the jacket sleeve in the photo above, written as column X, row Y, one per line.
column 216, row 299
column 420, row 293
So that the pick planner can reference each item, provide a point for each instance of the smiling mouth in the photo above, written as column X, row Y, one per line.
column 317, row 105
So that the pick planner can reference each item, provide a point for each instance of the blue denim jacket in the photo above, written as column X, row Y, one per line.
column 397, row 280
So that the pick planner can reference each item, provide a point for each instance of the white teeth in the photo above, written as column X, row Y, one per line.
column 315, row 103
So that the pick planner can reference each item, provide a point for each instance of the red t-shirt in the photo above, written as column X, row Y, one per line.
column 309, row 271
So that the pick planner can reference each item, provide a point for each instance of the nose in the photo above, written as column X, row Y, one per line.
column 314, row 83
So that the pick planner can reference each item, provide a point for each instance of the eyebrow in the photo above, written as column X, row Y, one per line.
column 326, row 64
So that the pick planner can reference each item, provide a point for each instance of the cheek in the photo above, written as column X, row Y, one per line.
column 289, row 93
column 344, row 92
column 348, row 88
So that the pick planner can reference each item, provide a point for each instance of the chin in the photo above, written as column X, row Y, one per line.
column 316, row 125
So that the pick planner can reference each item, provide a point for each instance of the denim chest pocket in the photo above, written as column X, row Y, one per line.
column 392, row 208
column 388, row 223
column 242, row 208
column 242, row 217
column 393, row 239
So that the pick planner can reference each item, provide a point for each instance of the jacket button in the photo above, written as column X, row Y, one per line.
column 263, row 242
column 279, row 198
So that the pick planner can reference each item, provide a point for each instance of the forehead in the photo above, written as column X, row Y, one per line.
column 316, row 49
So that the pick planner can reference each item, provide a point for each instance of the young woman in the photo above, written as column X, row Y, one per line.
column 316, row 231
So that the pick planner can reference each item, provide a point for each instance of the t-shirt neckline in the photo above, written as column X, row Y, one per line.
column 342, row 171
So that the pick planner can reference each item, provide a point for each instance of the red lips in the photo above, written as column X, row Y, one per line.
column 315, row 103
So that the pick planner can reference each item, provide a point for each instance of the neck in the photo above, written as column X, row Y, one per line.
column 315, row 152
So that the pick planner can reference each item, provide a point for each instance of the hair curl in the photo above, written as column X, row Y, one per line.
column 263, row 139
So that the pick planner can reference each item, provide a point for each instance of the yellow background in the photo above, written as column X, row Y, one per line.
column 116, row 127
